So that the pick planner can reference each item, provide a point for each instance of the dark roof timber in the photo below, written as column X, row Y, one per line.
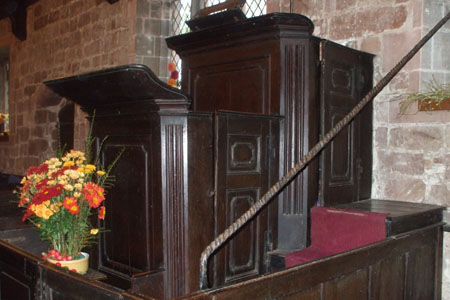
column 16, row 11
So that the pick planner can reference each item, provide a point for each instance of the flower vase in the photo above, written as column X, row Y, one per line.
column 80, row 265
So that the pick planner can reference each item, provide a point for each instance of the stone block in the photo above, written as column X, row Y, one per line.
column 23, row 134
column 37, row 146
column 441, row 51
column 432, row 12
column 407, row 189
column 41, row 22
column 153, row 64
column 152, row 27
column 144, row 45
column 46, row 98
column 381, row 137
column 38, row 131
column 29, row 90
column 400, row 163
column 40, row 117
column 371, row 44
column 395, row 45
column 142, row 8
column 156, row 9
column 439, row 194
column 423, row 138
column 338, row 5
column 343, row 26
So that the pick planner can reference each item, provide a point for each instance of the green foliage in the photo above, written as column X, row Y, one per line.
column 434, row 93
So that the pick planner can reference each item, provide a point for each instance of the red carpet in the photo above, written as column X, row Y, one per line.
column 338, row 230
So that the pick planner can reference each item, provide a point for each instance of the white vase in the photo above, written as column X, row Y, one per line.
column 80, row 265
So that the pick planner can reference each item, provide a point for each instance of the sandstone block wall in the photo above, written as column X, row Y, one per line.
column 64, row 37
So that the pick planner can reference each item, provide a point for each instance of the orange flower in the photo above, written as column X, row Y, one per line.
column 69, row 202
column 172, row 82
column 94, row 194
column 172, row 66
column 102, row 213
column 74, row 209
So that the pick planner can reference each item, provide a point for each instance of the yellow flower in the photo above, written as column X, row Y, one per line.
column 23, row 180
column 68, row 187
column 68, row 164
column 101, row 173
column 91, row 167
column 94, row 231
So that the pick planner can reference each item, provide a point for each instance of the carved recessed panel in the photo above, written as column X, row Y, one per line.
column 236, row 86
column 343, row 80
column 341, row 153
column 242, row 251
column 244, row 154
column 128, row 208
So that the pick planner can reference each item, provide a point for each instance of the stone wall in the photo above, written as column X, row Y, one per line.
column 152, row 27
column 63, row 38
column 411, row 151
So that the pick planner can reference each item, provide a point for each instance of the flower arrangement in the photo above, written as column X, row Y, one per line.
column 4, row 118
column 60, row 196
column 3, row 124
column 173, row 80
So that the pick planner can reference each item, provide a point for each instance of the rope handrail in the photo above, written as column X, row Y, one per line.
column 301, row 164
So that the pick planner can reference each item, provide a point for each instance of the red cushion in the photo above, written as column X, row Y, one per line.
column 338, row 230
column 305, row 255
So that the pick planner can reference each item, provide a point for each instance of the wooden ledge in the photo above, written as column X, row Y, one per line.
column 428, row 105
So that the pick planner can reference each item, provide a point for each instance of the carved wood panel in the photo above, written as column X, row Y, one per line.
column 244, row 158
column 241, row 85
column 344, row 79
column 132, row 243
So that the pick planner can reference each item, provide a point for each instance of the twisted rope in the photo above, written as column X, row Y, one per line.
column 301, row 164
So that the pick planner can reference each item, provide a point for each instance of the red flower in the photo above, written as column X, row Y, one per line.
column 41, row 184
column 28, row 213
column 94, row 194
column 37, row 170
column 55, row 190
column 102, row 213
column 47, row 194
column 40, row 197
column 174, row 75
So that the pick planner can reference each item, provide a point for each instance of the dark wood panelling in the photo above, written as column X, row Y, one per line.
column 348, row 287
column 11, row 288
column 239, row 85
column 362, row 273
column 244, row 158
column 345, row 163
column 387, row 279
column 420, row 279
column 310, row 294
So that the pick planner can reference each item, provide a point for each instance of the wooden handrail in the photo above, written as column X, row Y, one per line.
column 305, row 160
